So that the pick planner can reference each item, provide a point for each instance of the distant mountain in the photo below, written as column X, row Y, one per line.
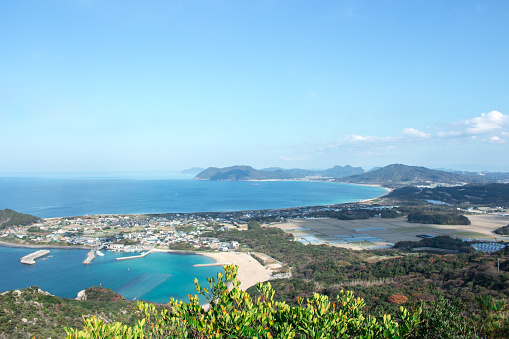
column 397, row 175
column 194, row 170
column 293, row 173
column 273, row 169
column 10, row 218
column 236, row 173
column 491, row 176
column 239, row 173
column 339, row 171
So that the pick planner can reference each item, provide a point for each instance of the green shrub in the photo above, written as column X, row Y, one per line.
column 233, row 313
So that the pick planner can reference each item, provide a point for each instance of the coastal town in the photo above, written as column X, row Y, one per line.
column 192, row 231
column 144, row 231
column 123, row 232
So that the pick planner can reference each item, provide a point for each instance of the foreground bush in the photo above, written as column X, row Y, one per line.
column 235, row 314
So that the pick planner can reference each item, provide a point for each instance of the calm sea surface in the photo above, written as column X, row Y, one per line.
column 74, row 197
column 158, row 276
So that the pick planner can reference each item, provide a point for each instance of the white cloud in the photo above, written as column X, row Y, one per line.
column 492, row 127
column 486, row 124
column 414, row 133
column 496, row 140
column 353, row 138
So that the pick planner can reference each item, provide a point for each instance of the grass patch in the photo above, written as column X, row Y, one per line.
column 364, row 244
column 472, row 235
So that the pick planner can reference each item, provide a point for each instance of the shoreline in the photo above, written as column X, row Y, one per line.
column 388, row 190
column 9, row 244
column 250, row 270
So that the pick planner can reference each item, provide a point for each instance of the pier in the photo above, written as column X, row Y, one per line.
column 30, row 258
column 90, row 257
column 135, row 256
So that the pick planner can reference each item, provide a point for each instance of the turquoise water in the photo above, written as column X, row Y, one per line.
column 157, row 277
column 48, row 198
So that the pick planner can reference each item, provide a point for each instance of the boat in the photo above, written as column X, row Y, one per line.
column 99, row 253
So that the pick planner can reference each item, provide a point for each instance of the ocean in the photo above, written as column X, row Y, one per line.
column 158, row 276
column 54, row 197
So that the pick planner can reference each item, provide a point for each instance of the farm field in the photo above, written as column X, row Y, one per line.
column 379, row 233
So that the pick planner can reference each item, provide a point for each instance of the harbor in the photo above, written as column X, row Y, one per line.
column 64, row 275
column 30, row 258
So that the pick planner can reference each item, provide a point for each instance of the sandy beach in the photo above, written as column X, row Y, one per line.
column 250, row 270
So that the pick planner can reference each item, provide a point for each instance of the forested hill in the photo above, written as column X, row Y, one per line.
column 491, row 176
column 398, row 175
column 484, row 194
column 238, row 173
column 12, row 218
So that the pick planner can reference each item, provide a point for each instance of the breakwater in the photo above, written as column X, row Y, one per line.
column 136, row 256
column 30, row 258
column 90, row 257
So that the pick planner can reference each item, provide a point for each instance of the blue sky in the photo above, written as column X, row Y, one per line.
column 90, row 85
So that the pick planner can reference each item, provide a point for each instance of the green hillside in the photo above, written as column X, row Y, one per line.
column 32, row 313
column 398, row 175
column 238, row 173
column 477, row 194
column 10, row 218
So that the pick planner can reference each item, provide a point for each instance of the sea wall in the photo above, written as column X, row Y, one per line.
column 29, row 259
column 90, row 257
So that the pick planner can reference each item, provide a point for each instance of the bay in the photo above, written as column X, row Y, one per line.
column 51, row 197
column 156, row 277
